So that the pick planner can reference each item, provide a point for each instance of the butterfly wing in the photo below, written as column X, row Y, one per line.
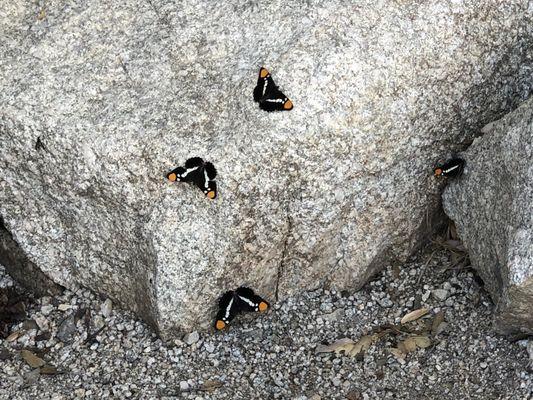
column 176, row 174
column 186, row 174
column 211, row 190
column 227, row 309
column 251, row 301
column 452, row 168
column 274, row 99
column 194, row 162
column 262, row 84
column 211, row 170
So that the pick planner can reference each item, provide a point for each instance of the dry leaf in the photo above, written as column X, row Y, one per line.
column 437, row 321
column 422, row 341
column 456, row 245
column 452, row 231
column 362, row 345
column 338, row 346
column 411, row 344
column 210, row 385
column 354, row 395
column 400, row 355
column 14, row 336
column 32, row 360
column 396, row 271
column 48, row 369
column 441, row 328
column 414, row 315
column 348, row 346
column 408, row 345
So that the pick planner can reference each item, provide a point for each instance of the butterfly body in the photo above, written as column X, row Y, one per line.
column 452, row 168
column 198, row 172
column 236, row 301
column 268, row 95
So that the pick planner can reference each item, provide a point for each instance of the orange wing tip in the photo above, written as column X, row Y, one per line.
column 263, row 72
column 172, row 177
column 438, row 172
column 220, row 325
column 288, row 105
column 263, row 306
column 211, row 194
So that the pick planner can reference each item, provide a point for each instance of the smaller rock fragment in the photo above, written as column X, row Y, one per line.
column 67, row 329
column 191, row 338
column 106, row 308
column 440, row 294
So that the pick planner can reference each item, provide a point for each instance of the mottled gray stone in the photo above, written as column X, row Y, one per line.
column 100, row 99
column 191, row 338
column 67, row 330
column 440, row 294
column 492, row 206
column 14, row 259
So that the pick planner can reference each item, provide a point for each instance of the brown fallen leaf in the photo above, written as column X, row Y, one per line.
column 422, row 341
column 408, row 345
column 437, row 321
column 396, row 352
column 31, row 359
column 456, row 245
column 338, row 346
column 14, row 336
column 210, row 385
column 362, row 345
column 354, row 395
column 414, row 315
column 396, row 271
column 49, row 369
column 348, row 346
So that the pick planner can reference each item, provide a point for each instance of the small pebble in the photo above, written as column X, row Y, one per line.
column 106, row 308
column 191, row 338
column 440, row 294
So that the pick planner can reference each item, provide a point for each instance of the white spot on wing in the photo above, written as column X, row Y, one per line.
column 228, row 309
column 248, row 301
column 451, row 169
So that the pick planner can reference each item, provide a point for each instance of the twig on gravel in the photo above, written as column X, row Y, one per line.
column 423, row 270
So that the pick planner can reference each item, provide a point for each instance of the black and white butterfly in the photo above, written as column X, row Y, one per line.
column 233, row 302
column 452, row 168
column 267, row 94
column 199, row 172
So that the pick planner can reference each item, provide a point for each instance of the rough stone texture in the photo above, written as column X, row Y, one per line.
column 492, row 206
column 100, row 99
column 19, row 267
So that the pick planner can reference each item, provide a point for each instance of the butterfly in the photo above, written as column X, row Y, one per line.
column 267, row 94
column 235, row 301
column 452, row 168
column 199, row 172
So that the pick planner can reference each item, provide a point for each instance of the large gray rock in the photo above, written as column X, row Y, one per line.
column 100, row 99
column 492, row 206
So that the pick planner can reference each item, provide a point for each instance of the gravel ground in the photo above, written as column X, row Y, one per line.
column 273, row 356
